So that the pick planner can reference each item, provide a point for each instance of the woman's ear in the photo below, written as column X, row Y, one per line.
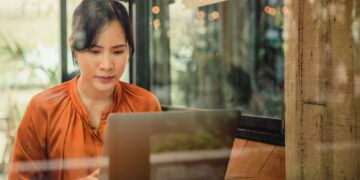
column 71, row 40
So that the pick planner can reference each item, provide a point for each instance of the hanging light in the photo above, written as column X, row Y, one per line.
column 155, row 9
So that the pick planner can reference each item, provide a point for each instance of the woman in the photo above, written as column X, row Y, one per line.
column 66, row 122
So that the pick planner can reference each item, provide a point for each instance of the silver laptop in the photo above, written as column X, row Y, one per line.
column 172, row 145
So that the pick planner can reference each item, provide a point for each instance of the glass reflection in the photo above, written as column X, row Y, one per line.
column 222, row 55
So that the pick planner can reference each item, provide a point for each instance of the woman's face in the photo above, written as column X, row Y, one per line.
column 102, row 65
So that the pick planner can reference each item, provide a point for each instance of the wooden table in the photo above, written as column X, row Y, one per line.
column 255, row 160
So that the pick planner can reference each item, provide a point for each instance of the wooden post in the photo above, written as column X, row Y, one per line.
column 322, row 89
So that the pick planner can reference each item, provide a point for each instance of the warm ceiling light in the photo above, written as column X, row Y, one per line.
column 215, row 15
column 155, row 9
column 201, row 14
column 267, row 9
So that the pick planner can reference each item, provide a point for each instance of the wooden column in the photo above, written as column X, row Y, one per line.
column 322, row 89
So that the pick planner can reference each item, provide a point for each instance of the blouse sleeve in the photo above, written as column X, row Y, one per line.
column 27, row 159
column 157, row 106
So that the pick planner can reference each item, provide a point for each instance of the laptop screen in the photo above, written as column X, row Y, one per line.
column 170, row 145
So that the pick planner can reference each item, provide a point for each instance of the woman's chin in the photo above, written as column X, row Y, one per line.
column 101, row 87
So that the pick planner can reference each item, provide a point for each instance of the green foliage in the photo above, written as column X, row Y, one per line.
column 13, row 61
column 11, row 49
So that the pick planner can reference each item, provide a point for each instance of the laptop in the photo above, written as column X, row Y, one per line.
column 171, row 145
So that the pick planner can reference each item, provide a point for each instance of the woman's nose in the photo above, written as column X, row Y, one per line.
column 106, row 63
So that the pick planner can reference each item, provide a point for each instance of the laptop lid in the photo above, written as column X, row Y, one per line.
column 169, row 145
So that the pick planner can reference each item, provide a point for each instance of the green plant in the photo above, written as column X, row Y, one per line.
column 11, row 48
column 13, row 58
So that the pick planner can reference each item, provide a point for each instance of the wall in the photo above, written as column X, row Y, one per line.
column 322, row 89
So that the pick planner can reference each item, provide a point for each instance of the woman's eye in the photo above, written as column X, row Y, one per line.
column 94, row 51
column 118, row 52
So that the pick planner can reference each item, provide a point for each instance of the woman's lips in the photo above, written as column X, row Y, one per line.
column 105, row 79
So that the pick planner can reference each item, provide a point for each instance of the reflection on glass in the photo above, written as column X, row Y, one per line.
column 187, row 145
column 223, row 55
column 173, row 136
column 29, row 62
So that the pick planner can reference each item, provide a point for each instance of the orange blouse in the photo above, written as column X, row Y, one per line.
column 56, row 128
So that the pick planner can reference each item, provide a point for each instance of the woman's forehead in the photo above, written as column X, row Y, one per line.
column 112, row 33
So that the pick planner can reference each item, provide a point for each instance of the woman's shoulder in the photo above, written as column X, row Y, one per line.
column 136, row 91
column 139, row 95
column 51, row 95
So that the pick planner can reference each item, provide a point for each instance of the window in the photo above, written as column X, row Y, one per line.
column 29, row 60
column 227, row 54
column 223, row 55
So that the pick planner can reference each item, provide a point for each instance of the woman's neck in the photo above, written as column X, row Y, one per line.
column 94, row 101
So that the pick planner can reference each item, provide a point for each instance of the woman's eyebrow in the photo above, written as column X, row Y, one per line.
column 96, row 46
column 119, row 46
column 116, row 46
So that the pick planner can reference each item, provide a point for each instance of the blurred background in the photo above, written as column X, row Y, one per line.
column 229, row 54
column 226, row 54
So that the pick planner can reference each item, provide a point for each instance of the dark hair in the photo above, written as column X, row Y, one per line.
column 92, row 15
